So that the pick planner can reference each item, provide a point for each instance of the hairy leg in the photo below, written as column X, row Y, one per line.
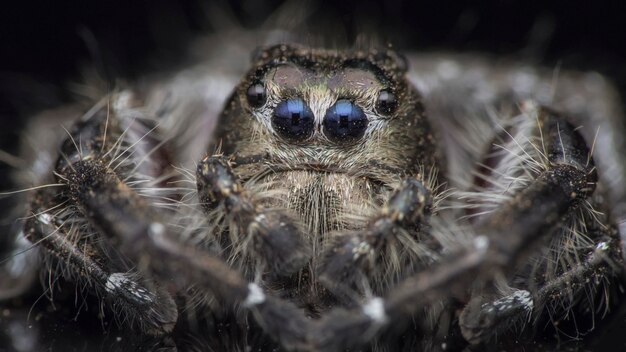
column 273, row 233
column 355, row 256
column 66, row 230
column 482, row 318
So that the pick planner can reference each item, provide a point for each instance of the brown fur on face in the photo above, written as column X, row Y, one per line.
column 330, row 186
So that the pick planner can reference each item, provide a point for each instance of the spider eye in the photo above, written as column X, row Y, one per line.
column 344, row 121
column 386, row 103
column 256, row 95
column 293, row 119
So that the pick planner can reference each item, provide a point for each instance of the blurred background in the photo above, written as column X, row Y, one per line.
column 47, row 42
column 46, row 45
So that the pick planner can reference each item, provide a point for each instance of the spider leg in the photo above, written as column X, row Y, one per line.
column 126, row 218
column 140, row 301
column 503, row 240
column 117, row 211
column 67, row 234
column 97, row 190
column 544, row 202
column 273, row 232
column 352, row 254
column 480, row 320
column 120, row 213
column 482, row 317
column 184, row 264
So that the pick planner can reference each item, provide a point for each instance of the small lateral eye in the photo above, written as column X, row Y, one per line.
column 344, row 122
column 256, row 95
column 386, row 104
column 293, row 120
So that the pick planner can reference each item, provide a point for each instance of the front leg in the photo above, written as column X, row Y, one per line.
column 351, row 257
column 274, row 235
column 131, row 224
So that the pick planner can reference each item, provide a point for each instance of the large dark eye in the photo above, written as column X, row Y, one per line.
column 257, row 95
column 344, row 121
column 386, row 103
column 293, row 119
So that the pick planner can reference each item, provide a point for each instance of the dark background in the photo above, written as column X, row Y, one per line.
column 45, row 44
column 47, row 41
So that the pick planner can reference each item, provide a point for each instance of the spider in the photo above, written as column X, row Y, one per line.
column 343, row 203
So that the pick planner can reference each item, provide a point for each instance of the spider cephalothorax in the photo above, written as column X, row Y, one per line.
column 328, row 213
column 328, row 135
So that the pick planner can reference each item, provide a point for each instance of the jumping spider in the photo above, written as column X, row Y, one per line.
column 338, row 207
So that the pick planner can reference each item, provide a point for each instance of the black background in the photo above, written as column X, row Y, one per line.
column 45, row 43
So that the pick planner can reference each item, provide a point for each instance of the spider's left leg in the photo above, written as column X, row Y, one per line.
column 504, row 239
column 579, row 255
column 353, row 255
column 482, row 319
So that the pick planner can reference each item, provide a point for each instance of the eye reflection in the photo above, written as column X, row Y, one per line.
column 256, row 95
column 344, row 122
column 293, row 119
column 387, row 102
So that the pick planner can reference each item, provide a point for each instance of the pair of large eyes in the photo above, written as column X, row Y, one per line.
column 343, row 122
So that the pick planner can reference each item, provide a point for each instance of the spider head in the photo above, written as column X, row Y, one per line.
column 328, row 110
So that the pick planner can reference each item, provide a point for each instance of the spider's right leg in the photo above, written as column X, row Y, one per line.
column 82, row 259
column 97, row 186
column 273, row 233
column 129, row 221
column 62, row 228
